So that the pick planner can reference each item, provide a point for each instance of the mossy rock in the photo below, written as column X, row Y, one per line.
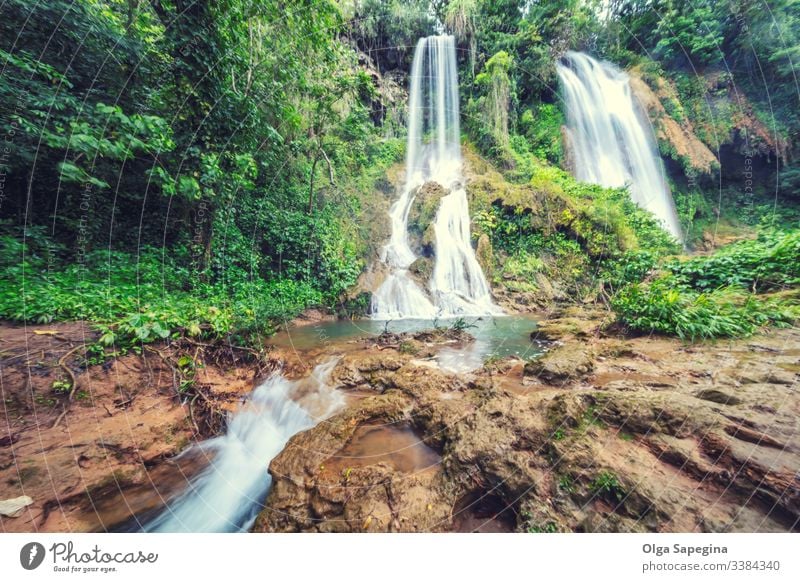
column 421, row 269
column 422, row 214
column 484, row 254
column 428, row 242
column 561, row 364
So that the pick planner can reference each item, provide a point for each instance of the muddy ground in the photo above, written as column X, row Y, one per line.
column 127, row 420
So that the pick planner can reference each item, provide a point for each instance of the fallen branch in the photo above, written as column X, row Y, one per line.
column 62, row 362
column 169, row 365
column 191, row 414
column 218, row 346
column 387, row 347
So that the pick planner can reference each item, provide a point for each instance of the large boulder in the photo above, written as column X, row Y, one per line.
column 422, row 215
column 422, row 271
column 562, row 364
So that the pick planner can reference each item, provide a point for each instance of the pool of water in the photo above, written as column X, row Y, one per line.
column 395, row 445
column 495, row 337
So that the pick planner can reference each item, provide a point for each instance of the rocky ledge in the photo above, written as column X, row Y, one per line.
column 604, row 433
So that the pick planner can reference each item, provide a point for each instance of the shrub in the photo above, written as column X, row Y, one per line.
column 770, row 261
column 142, row 298
column 629, row 267
column 664, row 306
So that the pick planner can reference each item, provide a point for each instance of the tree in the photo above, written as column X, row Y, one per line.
column 690, row 30
column 497, row 83
column 460, row 18
column 388, row 30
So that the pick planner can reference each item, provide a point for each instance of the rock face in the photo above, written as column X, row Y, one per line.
column 680, row 137
column 483, row 253
column 422, row 215
column 695, row 146
column 422, row 270
column 642, row 434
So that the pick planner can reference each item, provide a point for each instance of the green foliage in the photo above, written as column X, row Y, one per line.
column 493, row 101
column 712, row 119
column 194, row 168
column 771, row 261
column 710, row 296
column 230, row 135
column 547, row 527
column 530, row 251
column 61, row 387
column 461, row 18
column 694, row 29
column 461, row 324
column 383, row 28
column 629, row 267
column 693, row 211
column 141, row 299
column 608, row 485
column 541, row 126
column 407, row 347
column 755, row 47
column 572, row 233
column 664, row 306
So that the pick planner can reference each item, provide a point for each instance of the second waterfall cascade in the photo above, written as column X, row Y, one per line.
column 229, row 493
column 457, row 285
column 611, row 142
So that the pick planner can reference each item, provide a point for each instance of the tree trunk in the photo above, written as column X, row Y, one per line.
column 311, row 185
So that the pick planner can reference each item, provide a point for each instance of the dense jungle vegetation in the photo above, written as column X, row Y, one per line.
column 205, row 168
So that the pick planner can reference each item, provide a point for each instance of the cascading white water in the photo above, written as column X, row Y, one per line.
column 458, row 286
column 609, row 137
column 228, row 494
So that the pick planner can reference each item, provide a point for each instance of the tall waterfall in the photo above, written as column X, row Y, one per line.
column 610, row 139
column 457, row 286
column 229, row 493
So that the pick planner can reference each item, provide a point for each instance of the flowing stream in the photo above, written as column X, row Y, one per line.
column 228, row 494
column 457, row 286
column 611, row 141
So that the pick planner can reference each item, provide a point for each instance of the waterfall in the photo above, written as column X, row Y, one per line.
column 457, row 286
column 229, row 493
column 610, row 139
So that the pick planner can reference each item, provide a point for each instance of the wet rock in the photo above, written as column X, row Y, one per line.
column 622, row 453
column 568, row 326
column 679, row 136
column 546, row 287
column 719, row 397
column 483, row 253
column 9, row 440
column 312, row 316
column 369, row 280
column 14, row 507
column 561, row 364
column 428, row 242
column 422, row 270
column 315, row 490
column 422, row 215
column 116, row 439
column 372, row 371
